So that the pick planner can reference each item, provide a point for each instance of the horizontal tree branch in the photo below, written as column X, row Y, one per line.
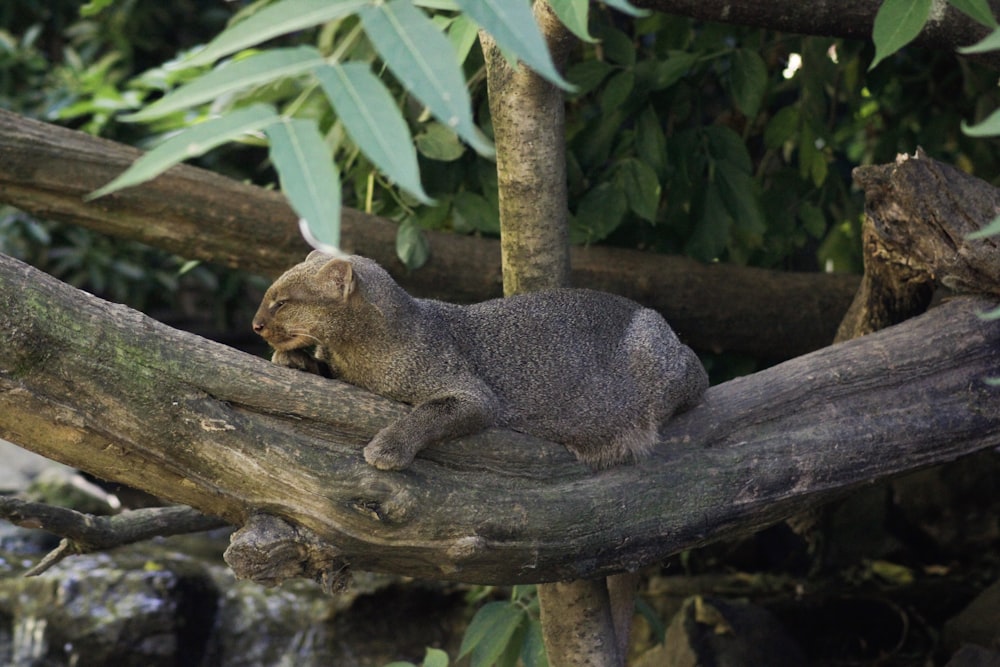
column 108, row 390
column 947, row 29
column 47, row 170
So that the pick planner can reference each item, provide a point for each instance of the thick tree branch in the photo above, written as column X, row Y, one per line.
column 47, row 170
column 947, row 29
column 107, row 390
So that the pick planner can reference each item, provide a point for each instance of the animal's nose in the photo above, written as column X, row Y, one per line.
column 258, row 326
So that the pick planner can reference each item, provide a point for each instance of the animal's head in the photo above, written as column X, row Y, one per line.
column 302, row 306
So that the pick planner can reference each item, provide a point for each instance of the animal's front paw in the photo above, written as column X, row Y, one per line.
column 386, row 455
column 301, row 360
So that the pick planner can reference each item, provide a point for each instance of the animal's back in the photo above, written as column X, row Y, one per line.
column 594, row 371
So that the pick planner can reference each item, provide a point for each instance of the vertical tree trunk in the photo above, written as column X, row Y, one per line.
column 528, row 122
column 529, row 126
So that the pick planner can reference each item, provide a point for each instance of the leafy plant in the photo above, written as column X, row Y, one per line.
column 505, row 631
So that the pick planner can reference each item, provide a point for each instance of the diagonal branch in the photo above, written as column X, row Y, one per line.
column 105, row 389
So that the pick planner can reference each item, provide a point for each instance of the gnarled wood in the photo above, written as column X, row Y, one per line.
column 105, row 389
column 47, row 170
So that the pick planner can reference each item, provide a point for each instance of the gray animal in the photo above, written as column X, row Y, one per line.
column 593, row 371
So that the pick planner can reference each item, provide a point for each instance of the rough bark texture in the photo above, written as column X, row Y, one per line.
column 528, row 118
column 47, row 170
column 947, row 29
column 107, row 390
column 528, row 115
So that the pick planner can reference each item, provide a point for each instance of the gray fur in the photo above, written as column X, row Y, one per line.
column 593, row 371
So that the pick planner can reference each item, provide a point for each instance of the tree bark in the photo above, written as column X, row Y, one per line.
column 47, row 170
column 947, row 29
column 110, row 391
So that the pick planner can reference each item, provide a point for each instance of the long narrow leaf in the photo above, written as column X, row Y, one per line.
column 990, row 127
column 277, row 19
column 233, row 76
column 989, row 43
column 991, row 229
column 897, row 23
column 190, row 143
column 513, row 26
column 422, row 58
column 978, row 10
column 308, row 176
column 626, row 7
column 374, row 122
column 574, row 15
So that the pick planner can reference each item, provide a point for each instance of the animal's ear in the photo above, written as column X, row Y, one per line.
column 337, row 276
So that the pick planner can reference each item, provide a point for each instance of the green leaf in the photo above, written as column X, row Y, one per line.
column 897, row 23
column 617, row 90
column 574, row 15
column 989, row 43
column 482, row 624
column 711, row 232
column 782, row 127
column 626, row 7
column 474, row 212
column 463, row 33
column 191, row 142
column 435, row 658
column 373, row 120
column 512, row 24
column 439, row 143
column 991, row 229
column 988, row 128
column 740, row 195
column 598, row 213
column 670, row 70
column 642, row 188
column 748, row 81
column 813, row 220
column 412, row 247
column 423, row 59
column 990, row 315
column 978, row 10
column 533, row 649
column 232, row 76
column 276, row 19
column 493, row 644
column 308, row 176
column 588, row 74
column 651, row 142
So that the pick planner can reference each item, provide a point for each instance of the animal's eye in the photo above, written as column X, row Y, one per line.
column 278, row 305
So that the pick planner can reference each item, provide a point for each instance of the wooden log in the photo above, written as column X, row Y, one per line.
column 108, row 390
column 48, row 170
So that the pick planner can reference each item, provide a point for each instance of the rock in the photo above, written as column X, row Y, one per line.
column 978, row 623
column 974, row 656
column 712, row 631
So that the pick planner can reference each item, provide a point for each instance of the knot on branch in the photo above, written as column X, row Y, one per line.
column 268, row 550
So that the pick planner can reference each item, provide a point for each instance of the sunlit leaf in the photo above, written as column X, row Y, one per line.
column 498, row 626
column 991, row 229
column 512, row 24
column 463, row 33
column 897, row 23
column 574, row 15
column 435, row 657
column 308, row 176
column 626, row 7
column 989, row 43
column 190, row 143
column 277, row 19
column 230, row 77
column 978, row 10
column 420, row 55
column 439, row 143
column 988, row 128
column 372, row 118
